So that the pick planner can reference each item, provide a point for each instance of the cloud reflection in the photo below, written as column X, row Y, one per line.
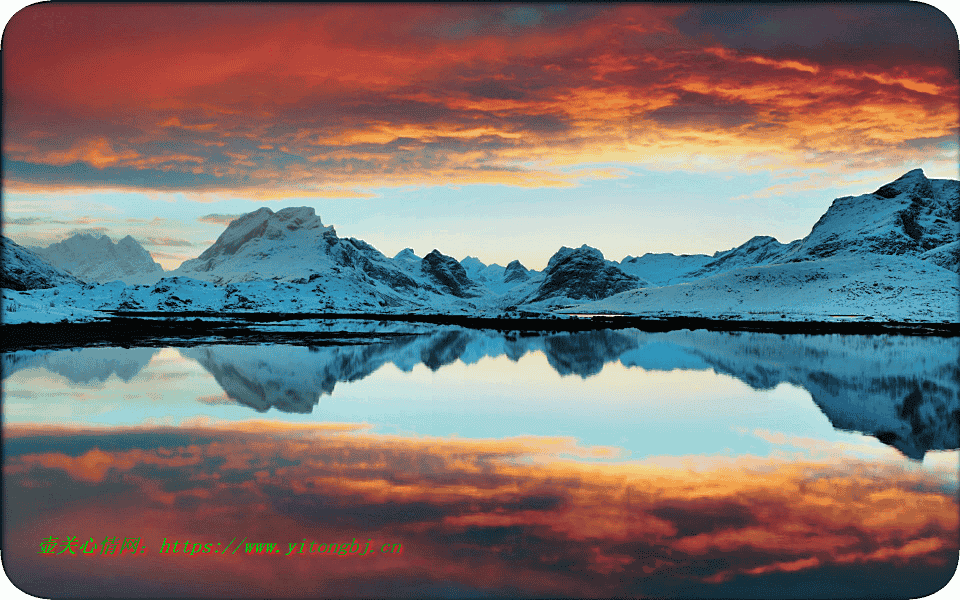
column 516, row 516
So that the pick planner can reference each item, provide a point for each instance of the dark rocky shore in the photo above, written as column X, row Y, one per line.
column 151, row 329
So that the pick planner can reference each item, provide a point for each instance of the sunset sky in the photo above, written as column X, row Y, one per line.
column 496, row 131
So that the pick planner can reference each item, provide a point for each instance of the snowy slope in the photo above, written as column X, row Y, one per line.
column 946, row 256
column 758, row 250
column 883, row 287
column 27, row 307
column 97, row 258
column 664, row 268
column 24, row 270
column 667, row 269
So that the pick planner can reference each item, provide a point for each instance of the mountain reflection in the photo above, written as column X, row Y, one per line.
column 512, row 517
column 82, row 365
column 903, row 390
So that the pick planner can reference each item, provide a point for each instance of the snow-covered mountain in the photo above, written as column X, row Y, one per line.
column 473, row 267
column 515, row 271
column 889, row 254
column 912, row 216
column 481, row 273
column 909, row 216
column 25, row 270
column 895, row 288
column 892, row 254
column 293, row 246
column 97, row 258
column 264, row 245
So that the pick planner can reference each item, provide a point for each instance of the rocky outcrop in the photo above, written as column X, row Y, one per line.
column 515, row 272
column 448, row 274
column 582, row 273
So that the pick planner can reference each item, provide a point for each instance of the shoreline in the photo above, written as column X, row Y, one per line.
column 147, row 329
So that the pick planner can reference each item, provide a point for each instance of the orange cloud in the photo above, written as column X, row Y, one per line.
column 258, row 99
column 517, row 507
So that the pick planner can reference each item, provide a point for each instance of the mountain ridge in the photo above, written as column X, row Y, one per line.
column 99, row 259
column 870, row 255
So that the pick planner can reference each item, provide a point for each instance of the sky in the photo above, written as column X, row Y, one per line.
column 496, row 131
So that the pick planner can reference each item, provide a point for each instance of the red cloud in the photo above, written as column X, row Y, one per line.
column 261, row 99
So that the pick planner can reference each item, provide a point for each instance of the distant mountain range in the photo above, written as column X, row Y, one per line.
column 892, row 254
column 97, row 259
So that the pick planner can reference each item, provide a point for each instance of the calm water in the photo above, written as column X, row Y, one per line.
column 469, row 463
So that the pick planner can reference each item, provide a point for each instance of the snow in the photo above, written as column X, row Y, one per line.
column 23, row 307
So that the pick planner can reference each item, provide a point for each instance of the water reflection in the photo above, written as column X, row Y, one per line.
column 82, row 365
column 481, row 510
column 905, row 391
column 509, row 517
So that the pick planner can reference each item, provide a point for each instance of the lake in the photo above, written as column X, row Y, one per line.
column 429, row 461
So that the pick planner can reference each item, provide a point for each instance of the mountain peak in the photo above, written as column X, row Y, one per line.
column 406, row 254
column 292, row 213
column 564, row 254
column 910, row 215
column 582, row 273
column 448, row 273
column 515, row 271
column 911, row 181
column 473, row 266
column 262, row 223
